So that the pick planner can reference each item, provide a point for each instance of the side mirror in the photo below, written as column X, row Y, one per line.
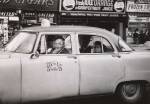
column 123, row 49
column 34, row 55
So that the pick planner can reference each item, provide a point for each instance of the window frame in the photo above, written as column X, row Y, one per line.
column 55, row 33
column 109, row 43
column 99, row 35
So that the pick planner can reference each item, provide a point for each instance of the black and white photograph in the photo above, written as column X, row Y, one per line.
column 74, row 51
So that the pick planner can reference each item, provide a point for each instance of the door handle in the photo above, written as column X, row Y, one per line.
column 72, row 57
column 116, row 55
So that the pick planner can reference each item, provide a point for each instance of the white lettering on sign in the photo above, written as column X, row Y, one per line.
column 20, row 1
column 142, row 1
column 95, row 2
column 95, row 5
column 36, row 2
column 4, row 1
column 132, row 7
column 103, row 2
column 87, row 8
column 8, row 14
column 108, row 9
column 139, row 19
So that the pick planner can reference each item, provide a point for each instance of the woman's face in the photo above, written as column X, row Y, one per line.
column 97, row 49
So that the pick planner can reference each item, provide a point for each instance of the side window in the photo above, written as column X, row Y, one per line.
column 90, row 44
column 55, row 44
column 94, row 44
column 107, row 47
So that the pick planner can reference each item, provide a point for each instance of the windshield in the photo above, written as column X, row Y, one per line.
column 124, row 47
column 22, row 43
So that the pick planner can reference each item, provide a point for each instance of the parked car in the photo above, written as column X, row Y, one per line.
column 30, row 71
column 147, row 44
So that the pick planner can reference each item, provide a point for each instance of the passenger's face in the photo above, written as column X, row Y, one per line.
column 97, row 49
column 58, row 44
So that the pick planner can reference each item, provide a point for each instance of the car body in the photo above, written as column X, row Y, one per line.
column 29, row 73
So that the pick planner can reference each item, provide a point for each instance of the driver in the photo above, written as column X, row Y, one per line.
column 59, row 47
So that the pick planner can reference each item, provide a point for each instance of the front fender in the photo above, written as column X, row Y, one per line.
column 137, row 66
column 10, row 78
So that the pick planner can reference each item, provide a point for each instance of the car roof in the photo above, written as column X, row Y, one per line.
column 70, row 28
column 63, row 28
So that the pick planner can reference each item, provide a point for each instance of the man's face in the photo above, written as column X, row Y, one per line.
column 58, row 44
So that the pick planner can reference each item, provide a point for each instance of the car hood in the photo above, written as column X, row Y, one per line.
column 5, row 55
column 142, row 52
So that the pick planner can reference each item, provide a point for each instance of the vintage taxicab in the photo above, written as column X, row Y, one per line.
column 95, row 61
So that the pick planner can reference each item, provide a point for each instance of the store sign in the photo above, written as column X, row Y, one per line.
column 36, row 2
column 93, row 5
column 142, row 1
column 46, row 5
column 29, row 17
column 8, row 14
column 32, row 14
column 139, row 19
column 138, row 7
column 92, row 14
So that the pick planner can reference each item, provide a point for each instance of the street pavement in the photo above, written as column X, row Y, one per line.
column 91, row 100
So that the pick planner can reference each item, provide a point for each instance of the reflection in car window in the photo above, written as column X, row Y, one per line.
column 94, row 44
column 124, row 47
column 55, row 44
column 107, row 47
column 22, row 43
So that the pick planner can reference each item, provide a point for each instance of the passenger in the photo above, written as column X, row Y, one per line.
column 97, row 47
column 59, row 47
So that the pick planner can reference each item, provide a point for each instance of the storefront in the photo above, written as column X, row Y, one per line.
column 108, row 14
column 139, row 15
column 15, row 14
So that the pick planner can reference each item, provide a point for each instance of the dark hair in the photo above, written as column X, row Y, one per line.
column 97, row 43
column 59, row 37
column 136, row 29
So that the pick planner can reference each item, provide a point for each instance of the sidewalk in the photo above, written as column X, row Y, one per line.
column 140, row 47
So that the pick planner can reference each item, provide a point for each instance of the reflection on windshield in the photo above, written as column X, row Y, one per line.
column 22, row 43
column 124, row 47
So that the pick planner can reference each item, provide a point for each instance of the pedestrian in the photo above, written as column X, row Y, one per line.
column 147, row 35
column 136, row 36
column 141, row 37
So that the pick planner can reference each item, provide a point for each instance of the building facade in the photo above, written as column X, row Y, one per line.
column 139, row 14
column 15, row 14
column 108, row 14
column 139, row 20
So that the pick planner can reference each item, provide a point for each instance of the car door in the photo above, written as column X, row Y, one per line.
column 50, row 76
column 99, row 71
column 10, row 78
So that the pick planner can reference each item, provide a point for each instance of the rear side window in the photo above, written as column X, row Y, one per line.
column 55, row 44
column 94, row 44
column 107, row 47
